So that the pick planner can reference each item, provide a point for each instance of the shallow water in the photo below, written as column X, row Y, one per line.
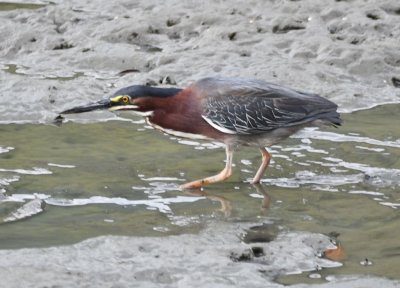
column 122, row 178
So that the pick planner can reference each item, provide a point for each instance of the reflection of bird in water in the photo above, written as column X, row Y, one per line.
column 266, row 201
column 226, row 205
column 228, row 110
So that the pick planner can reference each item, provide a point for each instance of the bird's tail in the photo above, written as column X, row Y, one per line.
column 331, row 118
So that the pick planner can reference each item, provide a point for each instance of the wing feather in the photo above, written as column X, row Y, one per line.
column 251, row 107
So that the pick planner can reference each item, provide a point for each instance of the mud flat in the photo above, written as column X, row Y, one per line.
column 214, row 257
column 53, row 56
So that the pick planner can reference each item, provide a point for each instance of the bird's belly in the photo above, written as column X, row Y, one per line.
column 265, row 139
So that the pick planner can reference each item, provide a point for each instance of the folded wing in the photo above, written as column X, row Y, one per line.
column 237, row 106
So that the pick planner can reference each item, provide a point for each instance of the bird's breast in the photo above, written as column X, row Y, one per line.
column 181, row 116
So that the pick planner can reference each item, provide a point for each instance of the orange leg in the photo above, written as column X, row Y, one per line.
column 221, row 176
column 266, row 157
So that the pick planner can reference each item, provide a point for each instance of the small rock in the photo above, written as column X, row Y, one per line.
column 58, row 120
column 373, row 15
column 258, row 251
column 232, row 36
column 264, row 233
column 151, row 82
column 152, row 30
column 396, row 82
column 366, row 262
column 172, row 22
column 242, row 256
column 127, row 71
column 167, row 80
column 63, row 45
column 288, row 25
column 150, row 48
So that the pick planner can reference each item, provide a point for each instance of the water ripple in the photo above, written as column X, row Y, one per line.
column 34, row 171
column 7, row 181
column 61, row 165
column 308, row 177
column 315, row 133
column 161, row 204
column 5, row 149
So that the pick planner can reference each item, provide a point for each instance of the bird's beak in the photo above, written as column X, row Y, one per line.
column 112, row 104
column 99, row 105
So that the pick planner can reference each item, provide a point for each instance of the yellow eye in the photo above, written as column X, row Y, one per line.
column 125, row 99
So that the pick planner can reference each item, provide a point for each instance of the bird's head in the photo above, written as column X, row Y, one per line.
column 134, row 98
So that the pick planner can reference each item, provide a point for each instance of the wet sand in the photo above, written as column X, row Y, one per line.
column 66, row 53
column 184, row 261
column 57, row 55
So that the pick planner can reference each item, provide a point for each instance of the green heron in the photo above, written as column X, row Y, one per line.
column 228, row 110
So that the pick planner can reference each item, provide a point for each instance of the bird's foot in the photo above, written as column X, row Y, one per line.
column 193, row 185
column 221, row 176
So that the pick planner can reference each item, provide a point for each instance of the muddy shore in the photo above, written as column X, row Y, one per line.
column 64, row 53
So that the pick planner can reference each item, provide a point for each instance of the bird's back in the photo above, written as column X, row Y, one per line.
column 246, row 107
